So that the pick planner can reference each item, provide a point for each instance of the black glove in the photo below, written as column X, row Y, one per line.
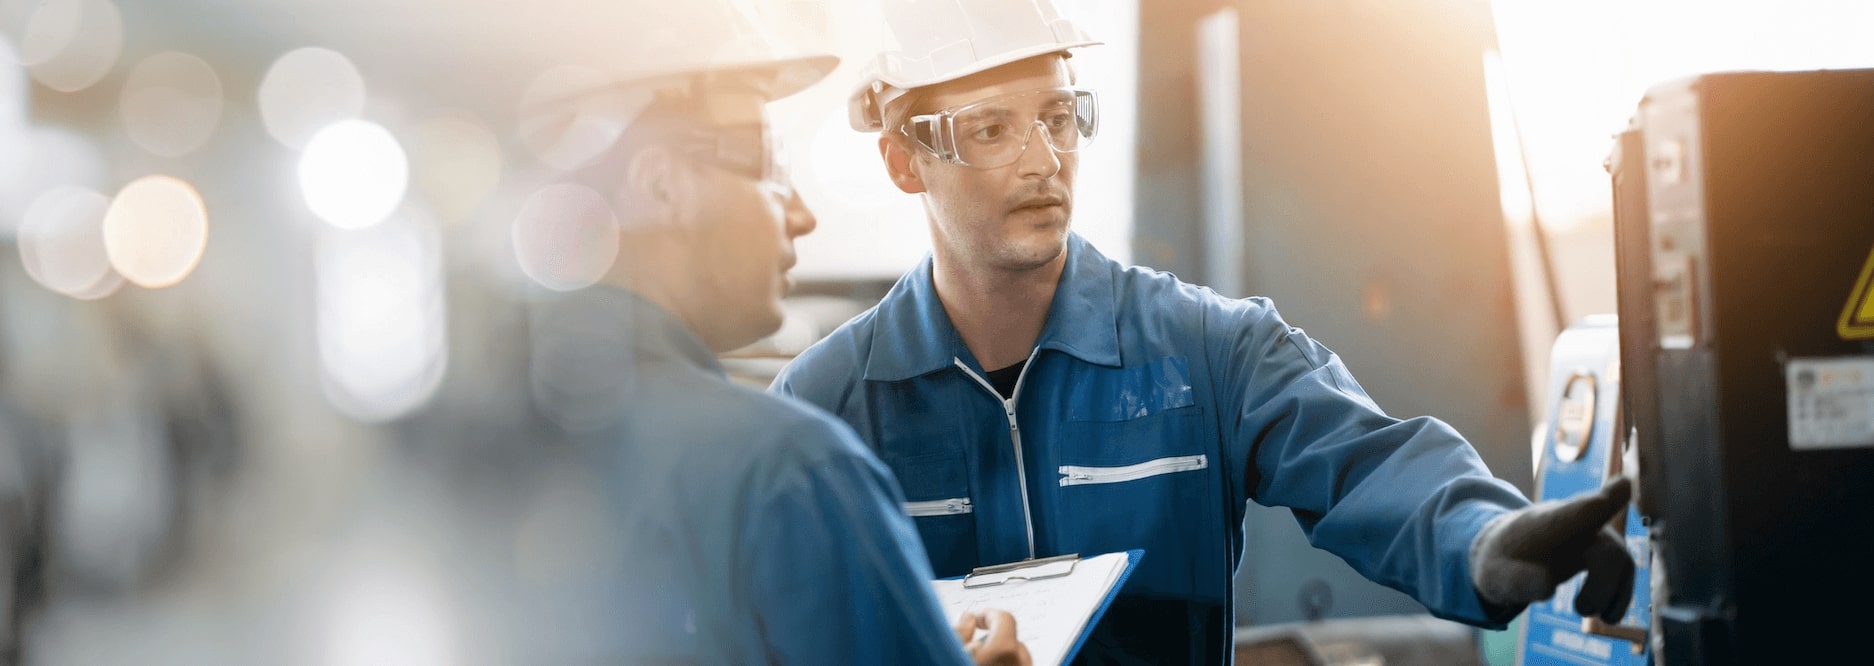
column 1520, row 557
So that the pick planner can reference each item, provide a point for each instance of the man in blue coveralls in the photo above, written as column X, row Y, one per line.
column 1035, row 398
column 755, row 528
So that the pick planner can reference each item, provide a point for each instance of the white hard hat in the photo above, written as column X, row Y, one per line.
column 573, row 112
column 945, row 40
column 731, row 44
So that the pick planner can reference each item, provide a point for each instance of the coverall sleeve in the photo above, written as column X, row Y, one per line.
column 836, row 570
column 1398, row 500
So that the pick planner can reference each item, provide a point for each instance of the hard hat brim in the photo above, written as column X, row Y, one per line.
column 865, row 119
column 773, row 79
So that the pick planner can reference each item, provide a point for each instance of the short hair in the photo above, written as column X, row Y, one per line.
column 898, row 113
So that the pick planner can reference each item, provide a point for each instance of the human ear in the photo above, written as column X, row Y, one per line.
column 900, row 164
column 656, row 188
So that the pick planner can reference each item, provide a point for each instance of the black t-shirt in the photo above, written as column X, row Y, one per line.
column 1004, row 379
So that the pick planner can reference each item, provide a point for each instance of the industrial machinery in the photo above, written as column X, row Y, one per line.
column 1736, row 383
column 1583, row 445
column 1744, row 224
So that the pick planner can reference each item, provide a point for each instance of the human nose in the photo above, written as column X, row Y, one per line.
column 1045, row 162
column 800, row 219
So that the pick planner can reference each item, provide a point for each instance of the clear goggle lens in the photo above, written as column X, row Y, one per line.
column 995, row 132
column 746, row 150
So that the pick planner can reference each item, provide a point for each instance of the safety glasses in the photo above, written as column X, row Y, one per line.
column 994, row 132
column 744, row 150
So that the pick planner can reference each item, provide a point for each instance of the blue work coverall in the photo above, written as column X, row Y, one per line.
column 754, row 529
column 1149, row 413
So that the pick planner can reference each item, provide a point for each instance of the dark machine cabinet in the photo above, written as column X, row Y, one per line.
column 1744, row 216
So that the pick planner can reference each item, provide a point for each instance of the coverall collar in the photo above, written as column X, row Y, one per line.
column 914, row 335
column 656, row 332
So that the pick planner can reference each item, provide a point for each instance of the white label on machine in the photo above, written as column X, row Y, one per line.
column 1831, row 402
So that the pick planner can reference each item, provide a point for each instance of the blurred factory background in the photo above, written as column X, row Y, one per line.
column 276, row 275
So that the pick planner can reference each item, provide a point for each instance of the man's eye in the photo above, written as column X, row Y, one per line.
column 989, row 132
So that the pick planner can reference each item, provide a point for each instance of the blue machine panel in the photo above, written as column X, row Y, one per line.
column 1582, row 444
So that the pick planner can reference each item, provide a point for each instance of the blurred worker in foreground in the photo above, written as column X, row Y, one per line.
column 1035, row 398
column 755, row 529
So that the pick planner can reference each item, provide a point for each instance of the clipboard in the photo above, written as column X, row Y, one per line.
column 1050, row 597
column 1040, row 569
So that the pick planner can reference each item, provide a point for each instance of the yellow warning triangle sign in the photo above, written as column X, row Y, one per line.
column 1857, row 317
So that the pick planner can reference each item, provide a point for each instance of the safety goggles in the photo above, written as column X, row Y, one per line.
column 743, row 150
column 994, row 132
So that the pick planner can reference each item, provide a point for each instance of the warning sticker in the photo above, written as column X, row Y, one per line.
column 1857, row 317
column 1831, row 402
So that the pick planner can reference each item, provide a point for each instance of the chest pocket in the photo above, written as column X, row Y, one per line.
column 1131, row 423
column 1135, row 470
column 1109, row 395
column 937, row 497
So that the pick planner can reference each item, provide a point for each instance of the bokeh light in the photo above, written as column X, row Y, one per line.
column 69, row 45
column 456, row 162
column 61, row 241
column 308, row 89
column 171, row 103
column 380, row 317
column 353, row 174
column 155, row 231
column 43, row 158
column 570, row 115
column 109, row 284
column 566, row 237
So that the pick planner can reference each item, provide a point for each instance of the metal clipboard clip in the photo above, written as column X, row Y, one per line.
column 1040, row 569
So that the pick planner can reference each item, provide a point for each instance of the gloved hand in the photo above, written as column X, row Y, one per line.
column 1520, row 557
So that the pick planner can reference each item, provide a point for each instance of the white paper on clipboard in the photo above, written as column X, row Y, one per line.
column 1051, row 602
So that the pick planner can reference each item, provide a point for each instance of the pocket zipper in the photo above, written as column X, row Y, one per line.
column 942, row 507
column 1074, row 475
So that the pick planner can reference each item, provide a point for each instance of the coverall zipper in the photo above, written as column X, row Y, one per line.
column 942, row 507
column 1074, row 475
column 1015, row 435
